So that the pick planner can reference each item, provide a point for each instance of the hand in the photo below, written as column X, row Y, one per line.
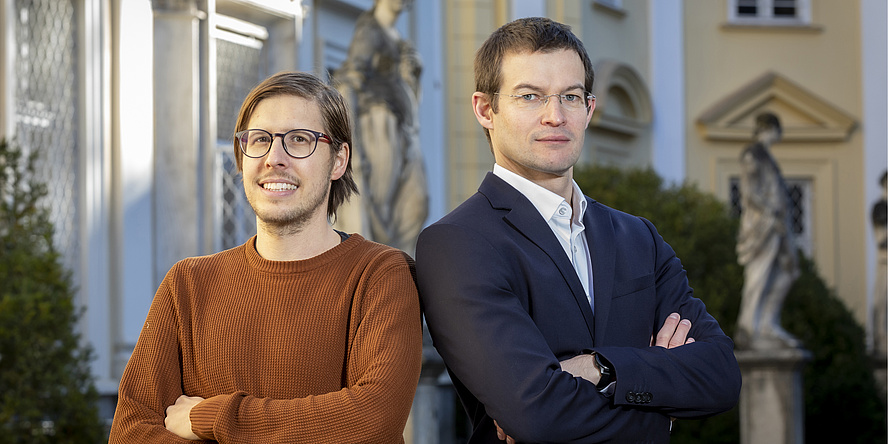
column 502, row 435
column 177, row 419
column 583, row 366
column 674, row 333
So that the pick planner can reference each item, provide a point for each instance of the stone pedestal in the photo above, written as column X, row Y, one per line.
column 771, row 401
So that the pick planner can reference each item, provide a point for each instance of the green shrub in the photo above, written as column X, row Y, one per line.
column 841, row 401
column 841, row 398
column 46, row 390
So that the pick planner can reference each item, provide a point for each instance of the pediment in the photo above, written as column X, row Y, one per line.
column 804, row 116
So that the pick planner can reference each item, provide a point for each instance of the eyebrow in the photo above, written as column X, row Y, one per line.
column 539, row 90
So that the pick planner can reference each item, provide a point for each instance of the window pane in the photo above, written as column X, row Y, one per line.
column 796, row 191
column 799, row 199
column 239, row 68
column 735, row 197
column 46, row 108
column 785, row 8
column 747, row 8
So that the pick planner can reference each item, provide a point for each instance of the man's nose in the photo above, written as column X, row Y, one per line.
column 553, row 110
column 277, row 155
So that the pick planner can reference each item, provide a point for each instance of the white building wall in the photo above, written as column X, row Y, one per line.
column 425, row 32
column 95, row 176
column 133, row 145
column 668, row 89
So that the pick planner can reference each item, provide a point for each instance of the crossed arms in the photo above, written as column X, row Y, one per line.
column 287, row 396
column 511, row 364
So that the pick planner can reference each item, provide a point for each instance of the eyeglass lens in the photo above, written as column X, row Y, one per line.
column 297, row 143
column 537, row 101
column 570, row 101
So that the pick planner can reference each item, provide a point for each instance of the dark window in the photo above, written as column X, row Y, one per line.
column 785, row 9
column 747, row 8
column 795, row 194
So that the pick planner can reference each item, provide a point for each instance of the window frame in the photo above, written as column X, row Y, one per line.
column 765, row 14
column 803, row 208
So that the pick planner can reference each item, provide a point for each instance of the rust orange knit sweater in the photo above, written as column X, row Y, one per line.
column 326, row 349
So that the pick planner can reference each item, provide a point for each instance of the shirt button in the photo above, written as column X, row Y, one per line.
column 561, row 211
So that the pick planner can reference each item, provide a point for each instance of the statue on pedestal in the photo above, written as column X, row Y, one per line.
column 880, row 289
column 765, row 243
column 380, row 79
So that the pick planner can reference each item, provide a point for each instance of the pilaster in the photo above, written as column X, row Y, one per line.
column 176, row 132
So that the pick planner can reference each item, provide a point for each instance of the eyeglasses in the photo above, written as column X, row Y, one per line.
column 532, row 101
column 298, row 143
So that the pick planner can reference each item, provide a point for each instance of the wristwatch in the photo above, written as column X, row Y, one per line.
column 607, row 373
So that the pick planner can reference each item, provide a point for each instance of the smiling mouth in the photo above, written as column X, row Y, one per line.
column 278, row 186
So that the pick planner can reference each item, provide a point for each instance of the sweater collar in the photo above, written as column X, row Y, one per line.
column 333, row 255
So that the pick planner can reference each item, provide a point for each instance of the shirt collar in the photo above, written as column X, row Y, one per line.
column 545, row 201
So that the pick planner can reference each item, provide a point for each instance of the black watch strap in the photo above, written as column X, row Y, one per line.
column 606, row 370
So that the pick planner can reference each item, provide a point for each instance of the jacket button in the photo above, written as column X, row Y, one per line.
column 630, row 397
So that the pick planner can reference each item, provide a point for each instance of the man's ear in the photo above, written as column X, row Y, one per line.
column 591, row 110
column 483, row 108
column 340, row 161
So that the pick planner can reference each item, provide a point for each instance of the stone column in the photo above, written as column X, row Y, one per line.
column 772, row 409
column 176, row 132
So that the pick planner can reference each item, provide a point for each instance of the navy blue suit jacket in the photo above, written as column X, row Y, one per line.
column 504, row 305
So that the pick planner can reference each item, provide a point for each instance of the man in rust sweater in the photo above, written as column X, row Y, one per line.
column 302, row 334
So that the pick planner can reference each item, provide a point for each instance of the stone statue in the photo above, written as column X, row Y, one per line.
column 880, row 290
column 380, row 79
column 765, row 243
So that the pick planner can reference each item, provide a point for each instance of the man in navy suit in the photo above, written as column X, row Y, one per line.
column 560, row 319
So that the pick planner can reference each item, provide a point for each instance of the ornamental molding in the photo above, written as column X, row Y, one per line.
column 623, row 101
column 805, row 117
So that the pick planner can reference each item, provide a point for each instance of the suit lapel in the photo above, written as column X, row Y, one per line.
column 602, row 249
column 525, row 218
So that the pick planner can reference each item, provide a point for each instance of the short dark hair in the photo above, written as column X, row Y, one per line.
column 334, row 113
column 531, row 34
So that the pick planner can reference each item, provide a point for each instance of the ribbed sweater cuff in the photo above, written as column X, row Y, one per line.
column 203, row 416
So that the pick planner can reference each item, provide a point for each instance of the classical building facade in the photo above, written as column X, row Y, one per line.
column 131, row 103
column 804, row 61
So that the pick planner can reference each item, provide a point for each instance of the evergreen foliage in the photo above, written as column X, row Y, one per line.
column 841, row 395
column 841, row 399
column 46, row 390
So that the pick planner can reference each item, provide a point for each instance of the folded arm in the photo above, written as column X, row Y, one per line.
column 495, row 350
column 491, row 342
column 698, row 379
column 152, row 380
column 380, row 377
column 674, row 333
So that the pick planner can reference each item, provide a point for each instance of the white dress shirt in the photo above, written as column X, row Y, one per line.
column 566, row 223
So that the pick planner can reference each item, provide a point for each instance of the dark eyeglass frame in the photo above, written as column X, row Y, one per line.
column 319, row 136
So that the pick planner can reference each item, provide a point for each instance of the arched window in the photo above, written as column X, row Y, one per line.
column 623, row 103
